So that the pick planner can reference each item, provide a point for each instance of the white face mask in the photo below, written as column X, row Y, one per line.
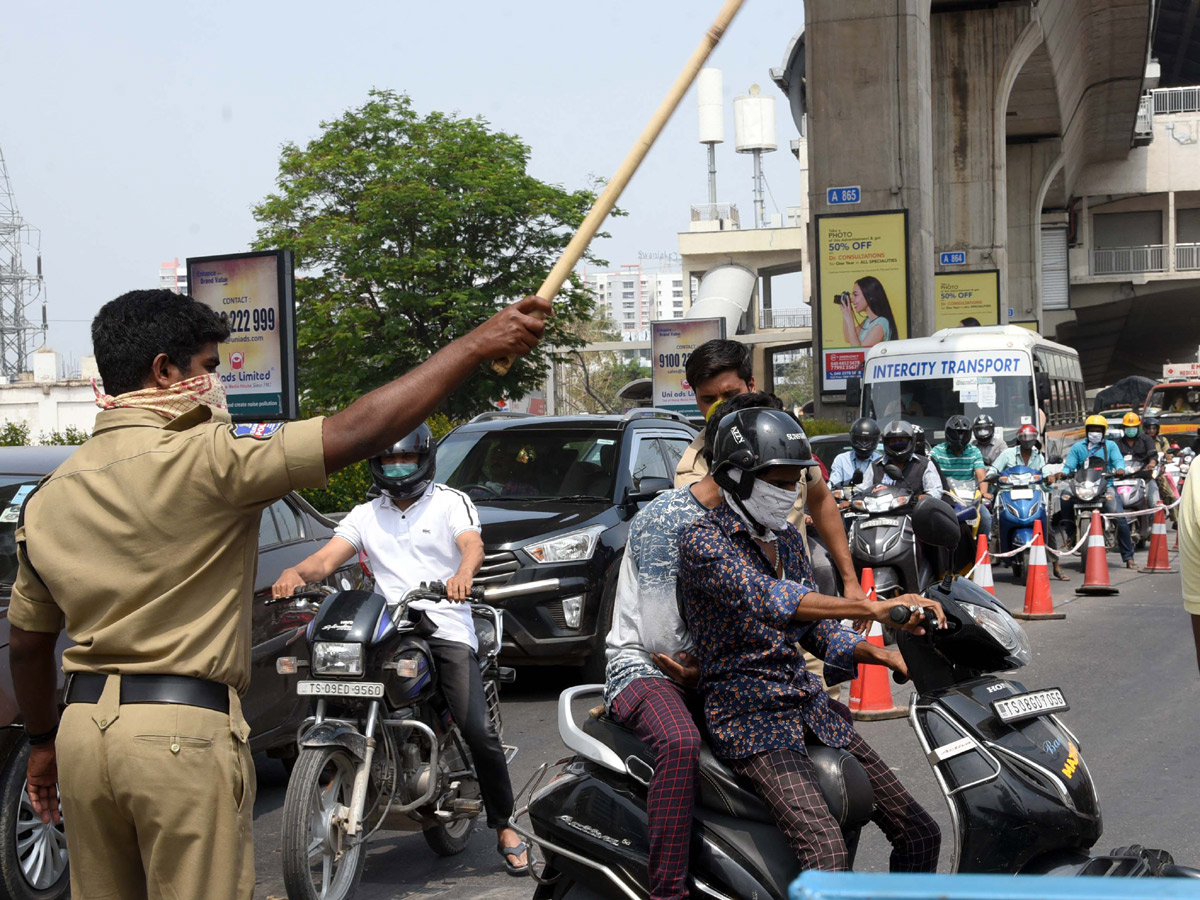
column 769, row 506
column 1094, row 437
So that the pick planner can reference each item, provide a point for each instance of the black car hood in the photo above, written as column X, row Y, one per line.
column 516, row 522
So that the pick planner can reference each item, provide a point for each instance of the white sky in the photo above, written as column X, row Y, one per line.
column 138, row 132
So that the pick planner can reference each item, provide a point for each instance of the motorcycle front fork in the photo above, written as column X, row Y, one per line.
column 352, row 816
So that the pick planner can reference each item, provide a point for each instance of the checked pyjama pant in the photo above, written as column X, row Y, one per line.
column 786, row 781
column 656, row 710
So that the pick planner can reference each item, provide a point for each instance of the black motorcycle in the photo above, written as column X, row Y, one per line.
column 381, row 750
column 1021, row 797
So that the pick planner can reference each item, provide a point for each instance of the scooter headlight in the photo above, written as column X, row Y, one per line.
column 1012, row 510
column 1005, row 630
column 337, row 658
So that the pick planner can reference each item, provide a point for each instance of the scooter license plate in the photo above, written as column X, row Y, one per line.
column 1030, row 705
column 339, row 689
column 880, row 523
column 1022, row 493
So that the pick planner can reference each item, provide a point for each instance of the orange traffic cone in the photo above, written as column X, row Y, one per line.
column 983, row 567
column 1095, row 571
column 870, row 692
column 1038, row 602
column 1157, row 560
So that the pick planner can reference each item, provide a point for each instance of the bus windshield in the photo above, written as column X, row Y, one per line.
column 929, row 402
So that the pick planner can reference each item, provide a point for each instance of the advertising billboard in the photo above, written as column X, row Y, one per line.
column 253, row 293
column 861, row 292
column 966, row 298
column 671, row 343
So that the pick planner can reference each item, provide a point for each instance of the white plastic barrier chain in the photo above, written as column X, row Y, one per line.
column 992, row 556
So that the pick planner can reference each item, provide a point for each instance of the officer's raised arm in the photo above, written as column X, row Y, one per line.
column 385, row 415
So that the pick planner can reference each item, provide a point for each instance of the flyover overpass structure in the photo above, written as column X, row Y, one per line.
column 984, row 120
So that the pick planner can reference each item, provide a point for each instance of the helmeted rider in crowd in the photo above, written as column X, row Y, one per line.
column 922, row 448
column 957, row 458
column 1141, row 448
column 918, row 473
column 1095, row 451
column 1027, row 452
column 1150, row 428
column 864, row 450
column 986, row 439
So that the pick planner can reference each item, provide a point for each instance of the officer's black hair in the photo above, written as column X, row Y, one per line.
column 716, row 356
column 733, row 404
column 131, row 330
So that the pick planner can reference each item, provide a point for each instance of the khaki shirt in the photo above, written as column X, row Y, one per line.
column 692, row 468
column 1189, row 544
column 145, row 542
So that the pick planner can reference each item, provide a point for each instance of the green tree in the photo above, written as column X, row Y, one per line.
column 590, row 381
column 409, row 230
column 68, row 437
column 14, row 434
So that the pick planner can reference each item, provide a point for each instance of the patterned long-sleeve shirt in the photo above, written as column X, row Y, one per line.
column 757, row 694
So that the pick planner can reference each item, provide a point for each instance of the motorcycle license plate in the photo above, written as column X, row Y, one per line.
column 880, row 523
column 1022, row 493
column 339, row 689
column 1030, row 705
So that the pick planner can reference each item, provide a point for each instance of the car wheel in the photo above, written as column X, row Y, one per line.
column 594, row 665
column 33, row 859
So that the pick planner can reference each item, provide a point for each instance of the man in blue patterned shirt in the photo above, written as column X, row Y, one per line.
column 745, row 585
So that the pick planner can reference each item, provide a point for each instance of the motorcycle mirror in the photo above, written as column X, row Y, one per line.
column 1055, row 459
column 894, row 471
column 857, row 478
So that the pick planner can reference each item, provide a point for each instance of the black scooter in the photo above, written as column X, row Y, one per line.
column 1021, row 797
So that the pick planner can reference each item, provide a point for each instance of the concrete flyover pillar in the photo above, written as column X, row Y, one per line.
column 977, row 55
column 1031, row 167
column 867, row 67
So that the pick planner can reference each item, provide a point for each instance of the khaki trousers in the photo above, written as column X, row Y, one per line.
column 158, row 800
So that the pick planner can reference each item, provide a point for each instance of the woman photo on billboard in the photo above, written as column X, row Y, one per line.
column 868, row 299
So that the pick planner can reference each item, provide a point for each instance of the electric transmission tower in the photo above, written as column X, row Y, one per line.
column 19, row 289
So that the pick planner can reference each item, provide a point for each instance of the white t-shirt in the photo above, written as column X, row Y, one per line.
column 406, row 548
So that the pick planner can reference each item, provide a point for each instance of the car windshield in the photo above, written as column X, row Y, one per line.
column 1170, row 402
column 13, row 491
column 929, row 402
column 515, row 464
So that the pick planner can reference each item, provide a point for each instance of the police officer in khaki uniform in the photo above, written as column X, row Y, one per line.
column 718, row 370
column 144, row 546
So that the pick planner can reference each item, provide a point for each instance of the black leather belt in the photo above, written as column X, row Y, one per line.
column 86, row 687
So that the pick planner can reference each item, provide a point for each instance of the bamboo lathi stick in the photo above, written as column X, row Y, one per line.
column 612, row 191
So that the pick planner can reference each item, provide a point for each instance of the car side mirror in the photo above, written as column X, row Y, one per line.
column 648, row 488
column 854, row 392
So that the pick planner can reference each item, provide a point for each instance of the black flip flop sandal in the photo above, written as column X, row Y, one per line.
column 513, row 852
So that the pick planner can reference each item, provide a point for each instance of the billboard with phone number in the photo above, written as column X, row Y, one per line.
column 671, row 343
column 861, row 293
column 253, row 293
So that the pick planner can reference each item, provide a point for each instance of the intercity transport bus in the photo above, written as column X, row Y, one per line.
column 1004, row 371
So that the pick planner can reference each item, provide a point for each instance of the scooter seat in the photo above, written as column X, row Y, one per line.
column 843, row 781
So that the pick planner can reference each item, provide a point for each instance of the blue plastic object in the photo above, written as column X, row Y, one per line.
column 872, row 886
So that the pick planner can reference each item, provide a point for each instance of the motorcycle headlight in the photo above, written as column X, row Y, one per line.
column 337, row 658
column 1087, row 490
column 1004, row 629
column 573, row 547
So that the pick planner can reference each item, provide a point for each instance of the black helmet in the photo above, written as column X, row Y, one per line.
column 922, row 446
column 958, row 433
column 1151, row 422
column 750, row 440
column 413, row 484
column 864, row 437
column 899, row 441
column 984, row 427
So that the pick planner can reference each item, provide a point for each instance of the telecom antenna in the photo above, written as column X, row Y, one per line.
column 19, row 289
column 754, row 132
column 711, row 96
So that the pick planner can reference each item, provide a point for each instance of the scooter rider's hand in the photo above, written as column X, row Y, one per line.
column 916, row 620
column 288, row 581
column 683, row 669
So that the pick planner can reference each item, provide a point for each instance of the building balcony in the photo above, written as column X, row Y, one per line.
column 1187, row 257
column 785, row 318
column 1128, row 260
column 1169, row 101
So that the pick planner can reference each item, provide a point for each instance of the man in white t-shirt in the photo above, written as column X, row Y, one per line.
column 419, row 531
